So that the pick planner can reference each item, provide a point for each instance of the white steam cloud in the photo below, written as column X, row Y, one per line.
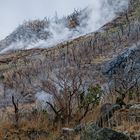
column 99, row 13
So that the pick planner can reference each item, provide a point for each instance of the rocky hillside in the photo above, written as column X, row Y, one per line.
column 109, row 57
column 94, row 54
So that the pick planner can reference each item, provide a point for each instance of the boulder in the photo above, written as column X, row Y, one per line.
column 103, row 134
column 135, row 106
column 67, row 131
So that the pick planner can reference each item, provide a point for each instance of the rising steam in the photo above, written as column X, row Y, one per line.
column 98, row 13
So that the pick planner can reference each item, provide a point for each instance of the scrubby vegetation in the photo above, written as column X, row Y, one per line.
column 90, row 83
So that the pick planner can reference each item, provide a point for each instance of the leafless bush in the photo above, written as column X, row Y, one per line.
column 36, row 25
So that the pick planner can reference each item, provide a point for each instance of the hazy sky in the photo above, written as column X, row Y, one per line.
column 14, row 12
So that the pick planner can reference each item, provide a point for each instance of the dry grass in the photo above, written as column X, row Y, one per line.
column 92, row 115
column 37, row 122
column 40, row 121
column 27, row 122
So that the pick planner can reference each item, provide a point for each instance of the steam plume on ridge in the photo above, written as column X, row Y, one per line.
column 90, row 19
column 87, row 20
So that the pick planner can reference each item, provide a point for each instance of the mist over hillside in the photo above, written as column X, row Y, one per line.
column 49, row 32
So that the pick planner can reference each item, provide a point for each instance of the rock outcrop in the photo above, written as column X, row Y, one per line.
column 93, row 132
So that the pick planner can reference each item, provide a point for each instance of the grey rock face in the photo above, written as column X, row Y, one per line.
column 123, row 73
column 122, row 60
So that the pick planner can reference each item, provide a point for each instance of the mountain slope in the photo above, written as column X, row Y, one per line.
column 88, row 54
column 109, row 57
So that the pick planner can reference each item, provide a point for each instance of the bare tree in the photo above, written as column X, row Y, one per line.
column 73, row 96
